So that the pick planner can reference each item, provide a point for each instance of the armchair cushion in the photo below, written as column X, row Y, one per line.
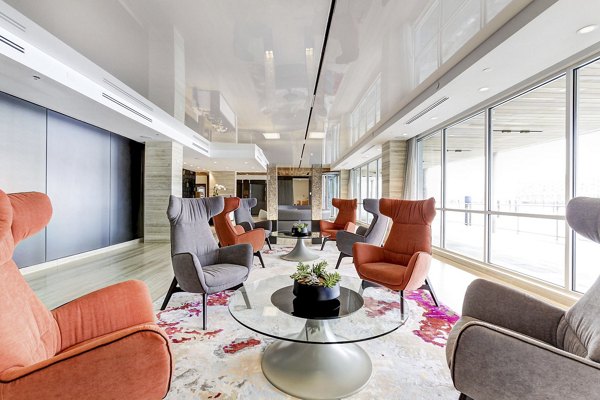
column 104, row 311
column 219, row 277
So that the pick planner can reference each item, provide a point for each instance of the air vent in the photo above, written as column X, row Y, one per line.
column 128, row 95
column 203, row 148
column 426, row 110
column 125, row 106
column 12, row 44
column 12, row 21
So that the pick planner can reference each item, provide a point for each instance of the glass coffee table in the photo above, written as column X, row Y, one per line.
column 315, row 355
column 300, row 252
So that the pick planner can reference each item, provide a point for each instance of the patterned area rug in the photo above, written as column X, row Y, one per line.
column 223, row 362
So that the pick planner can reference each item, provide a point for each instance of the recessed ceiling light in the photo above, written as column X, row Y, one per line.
column 309, row 51
column 404, row 134
column 246, row 162
column 311, row 154
column 484, row 89
column 214, row 162
column 434, row 118
column 269, row 54
column 316, row 135
column 487, row 69
column 271, row 135
column 587, row 29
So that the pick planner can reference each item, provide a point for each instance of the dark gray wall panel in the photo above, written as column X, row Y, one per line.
column 78, row 184
column 23, row 163
column 126, row 189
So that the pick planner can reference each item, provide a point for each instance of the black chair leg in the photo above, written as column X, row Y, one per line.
column 257, row 254
column 204, row 310
column 342, row 255
column 324, row 241
column 402, row 304
column 464, row 397
column 427, row 286
column 268, row 243
column 172, row 289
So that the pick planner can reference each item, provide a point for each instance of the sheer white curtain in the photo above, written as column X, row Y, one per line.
column 411, row 175
column 352, row 190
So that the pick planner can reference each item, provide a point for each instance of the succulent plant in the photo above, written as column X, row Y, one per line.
column 316, row 275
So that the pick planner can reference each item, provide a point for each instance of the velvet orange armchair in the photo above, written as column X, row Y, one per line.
column 230, row 234
column 104, row 345
column 344, row 220
column 403, row 261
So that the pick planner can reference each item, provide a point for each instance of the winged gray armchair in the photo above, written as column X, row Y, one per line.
column 243, row 217
column 374, row 234
column 199, row 264
column 509, row 345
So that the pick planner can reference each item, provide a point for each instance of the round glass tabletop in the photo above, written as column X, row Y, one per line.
column 365, row 311
column 288, row 235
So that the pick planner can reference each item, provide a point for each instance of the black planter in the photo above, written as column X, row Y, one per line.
column 316, row 293
column 300, row 232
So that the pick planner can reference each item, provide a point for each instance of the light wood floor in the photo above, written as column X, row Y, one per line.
column 151, row 263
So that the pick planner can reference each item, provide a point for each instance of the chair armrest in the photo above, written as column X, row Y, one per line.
column 324, row 225
column 361, row 230
column 239, row 229
column 417, row 270
column 266, row 225
column 188, row 272
column 246, row 225
column 364, row 253
column 345, row 240
column 512, row 309
column 135, row 363
column 491, row 362
column 255, row 237
column 104, row 311
column 238, row 254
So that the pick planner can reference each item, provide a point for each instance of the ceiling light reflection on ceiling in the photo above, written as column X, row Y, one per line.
column 587, row 29
column 269, row 54
column 309, row 51
column 434, row 118
column 484, row 89
column 271, row 135
column 316, row 135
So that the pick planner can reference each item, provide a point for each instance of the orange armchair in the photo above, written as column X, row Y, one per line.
column 344, row 220
column 403, row 261
column 104, row 345
column 230, row 234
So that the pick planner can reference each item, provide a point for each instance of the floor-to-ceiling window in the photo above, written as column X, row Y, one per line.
column 502, row 177
column 331, row 189
column 366, row 183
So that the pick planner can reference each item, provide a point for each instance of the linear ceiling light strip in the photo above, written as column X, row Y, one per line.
column 323, row 48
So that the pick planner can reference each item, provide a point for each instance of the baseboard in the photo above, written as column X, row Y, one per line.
column 545, row 291
column 55, row 263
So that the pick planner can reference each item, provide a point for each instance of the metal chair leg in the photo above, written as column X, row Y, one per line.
column 339, row 260
column 204, row 310
column 172, row 289
column 324, row 241
column 257, row 254
column 268, row 243
column 427, row 286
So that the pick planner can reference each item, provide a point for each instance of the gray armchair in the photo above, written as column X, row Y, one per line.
column 374, row 234
column 200, row 266
column 243, row 217
column 509, row 345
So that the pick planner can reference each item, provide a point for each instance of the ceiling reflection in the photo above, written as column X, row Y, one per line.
column 232, row 70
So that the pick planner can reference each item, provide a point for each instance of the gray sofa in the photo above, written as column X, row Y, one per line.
column 289, row 215
column 509, row 345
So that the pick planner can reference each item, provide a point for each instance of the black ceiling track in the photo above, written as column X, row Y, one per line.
column 312, row 103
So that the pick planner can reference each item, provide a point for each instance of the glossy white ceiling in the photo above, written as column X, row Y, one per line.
column 262, row 56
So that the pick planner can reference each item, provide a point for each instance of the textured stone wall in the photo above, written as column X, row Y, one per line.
column 344, row 183
column 162, row 178
column 272, row 193
column 317, row 192
column 225, row 178
column 393, row 154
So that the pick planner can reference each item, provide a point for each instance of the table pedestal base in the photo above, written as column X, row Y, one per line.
column 317, row 371
column 300, row 252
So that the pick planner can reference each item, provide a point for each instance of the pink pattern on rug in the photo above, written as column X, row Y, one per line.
column 376, row 308
column 437, row 322
column 240, row 344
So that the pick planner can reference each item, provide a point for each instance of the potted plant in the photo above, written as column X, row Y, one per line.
column 216, row 189
column 300, row 229
column 315, row 283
